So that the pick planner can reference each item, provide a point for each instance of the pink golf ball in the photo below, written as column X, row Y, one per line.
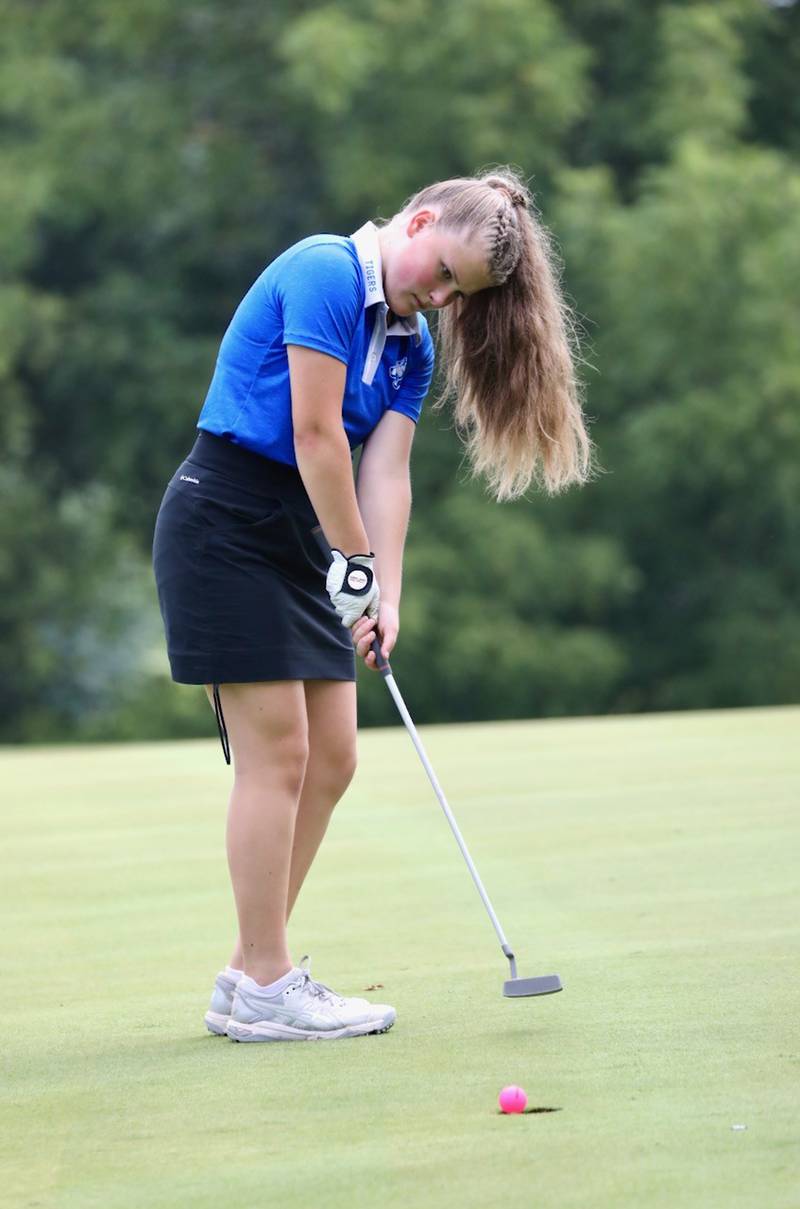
column 512, row 1099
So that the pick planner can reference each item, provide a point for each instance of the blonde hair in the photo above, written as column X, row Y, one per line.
column 508, row 350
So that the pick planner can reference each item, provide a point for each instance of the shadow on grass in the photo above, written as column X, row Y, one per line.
column 525, row 1112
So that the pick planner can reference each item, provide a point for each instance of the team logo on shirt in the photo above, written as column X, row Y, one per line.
column 397, row 372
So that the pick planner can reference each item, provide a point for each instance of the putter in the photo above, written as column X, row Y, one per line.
column 514, row 987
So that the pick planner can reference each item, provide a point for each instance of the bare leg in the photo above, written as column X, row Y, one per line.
column 331, row 708
column 268, row 731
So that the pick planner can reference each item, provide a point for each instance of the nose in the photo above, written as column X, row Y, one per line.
column 441, row 297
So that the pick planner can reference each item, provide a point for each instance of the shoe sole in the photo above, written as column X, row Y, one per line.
column 272, row 1031
column 216, row 1023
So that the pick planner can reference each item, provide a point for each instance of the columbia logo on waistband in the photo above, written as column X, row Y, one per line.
column 187, row 478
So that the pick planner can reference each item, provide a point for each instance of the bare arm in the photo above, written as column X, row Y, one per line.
column 384, row 495
column 322, row 449
column 383, row 489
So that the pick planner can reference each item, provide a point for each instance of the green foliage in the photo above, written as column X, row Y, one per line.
column 701, row 429
column 154, row 157
column 772, row 63
column 74, row 606
column 699, row 89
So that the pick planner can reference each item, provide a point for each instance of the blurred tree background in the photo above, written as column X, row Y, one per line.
column 154, row 157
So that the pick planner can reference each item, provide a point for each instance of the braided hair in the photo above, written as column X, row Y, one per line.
column 504, row 236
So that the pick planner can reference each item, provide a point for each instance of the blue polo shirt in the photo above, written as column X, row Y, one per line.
column 315, row 294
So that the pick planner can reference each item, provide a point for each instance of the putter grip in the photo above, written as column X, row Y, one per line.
column 384, row 666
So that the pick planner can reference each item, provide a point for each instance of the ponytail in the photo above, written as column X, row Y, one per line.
column 509, row 350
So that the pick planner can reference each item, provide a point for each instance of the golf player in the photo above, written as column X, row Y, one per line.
column 329, row 352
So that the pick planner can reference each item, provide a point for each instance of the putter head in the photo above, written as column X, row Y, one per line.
column 517, row 987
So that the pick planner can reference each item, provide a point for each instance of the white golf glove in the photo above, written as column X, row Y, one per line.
column 352, row 586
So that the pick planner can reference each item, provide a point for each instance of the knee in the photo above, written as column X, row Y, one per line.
column 347, row 767
column 338, row 768
column 290, row 757
column 281, row 763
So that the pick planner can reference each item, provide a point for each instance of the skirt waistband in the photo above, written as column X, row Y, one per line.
column 252, row 471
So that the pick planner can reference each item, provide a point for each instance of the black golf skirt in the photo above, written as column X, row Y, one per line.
column 241, row 573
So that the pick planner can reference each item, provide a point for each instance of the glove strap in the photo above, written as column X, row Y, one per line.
column 357, row 579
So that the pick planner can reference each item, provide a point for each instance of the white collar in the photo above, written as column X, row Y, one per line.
column 368, row 250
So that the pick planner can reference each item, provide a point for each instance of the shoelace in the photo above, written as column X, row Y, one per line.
column 306, row 982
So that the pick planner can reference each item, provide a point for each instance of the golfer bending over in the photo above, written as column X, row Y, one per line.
column 326, row 352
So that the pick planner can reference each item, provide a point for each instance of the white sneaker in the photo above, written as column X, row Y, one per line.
column 304, row 1010
column 219, row 1009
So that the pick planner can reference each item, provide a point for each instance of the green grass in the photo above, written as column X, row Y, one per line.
column 650, row 861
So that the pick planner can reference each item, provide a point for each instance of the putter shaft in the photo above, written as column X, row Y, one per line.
column 513, row 987
column 437, row 789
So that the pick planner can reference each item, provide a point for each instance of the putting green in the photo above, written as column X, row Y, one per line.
column 650, row 861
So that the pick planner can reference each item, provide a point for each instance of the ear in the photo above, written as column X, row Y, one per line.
column 419, row 222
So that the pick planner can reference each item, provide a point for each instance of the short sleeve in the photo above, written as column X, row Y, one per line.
column 321, row 296
column 416, row 382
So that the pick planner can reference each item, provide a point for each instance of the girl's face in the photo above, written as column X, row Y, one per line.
column 426, row 268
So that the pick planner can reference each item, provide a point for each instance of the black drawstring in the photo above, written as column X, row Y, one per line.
column 223, row 731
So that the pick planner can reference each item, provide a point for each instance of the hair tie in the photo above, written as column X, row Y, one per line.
column 514, row 195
